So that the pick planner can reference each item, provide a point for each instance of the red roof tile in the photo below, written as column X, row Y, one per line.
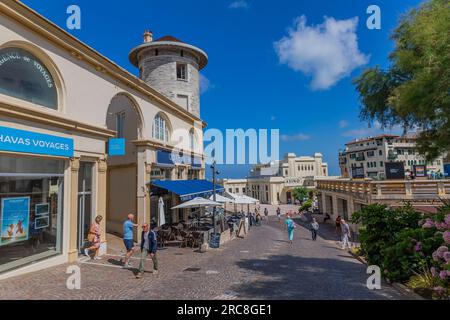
column 168, row 38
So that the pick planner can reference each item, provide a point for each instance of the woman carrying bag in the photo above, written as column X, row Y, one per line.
column 94, row 238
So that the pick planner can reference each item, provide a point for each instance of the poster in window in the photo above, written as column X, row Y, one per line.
column 42, row 209
column 395, row 170
column 420, row 171
column 15, row 216
column 358, row 172
column 42, row 222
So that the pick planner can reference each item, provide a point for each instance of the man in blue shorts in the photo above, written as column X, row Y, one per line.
column 128, row 239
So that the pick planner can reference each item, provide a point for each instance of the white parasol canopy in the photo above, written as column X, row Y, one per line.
column 162, row 218
column 221, row 199
column 197, row 203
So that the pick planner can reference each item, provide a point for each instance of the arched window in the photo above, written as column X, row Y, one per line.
column 161, row 129
column 24, row 76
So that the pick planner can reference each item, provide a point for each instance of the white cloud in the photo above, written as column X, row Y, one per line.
column 343, row 124
column 239, row 4
column 295, row 137
column 205, row 84
column 327, row 52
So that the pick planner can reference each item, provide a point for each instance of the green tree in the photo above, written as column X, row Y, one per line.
column 300, row 193
column 414, row 91
column 380, row 226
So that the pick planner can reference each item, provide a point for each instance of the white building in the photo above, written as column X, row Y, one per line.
column 371, row 155
column 273, row 183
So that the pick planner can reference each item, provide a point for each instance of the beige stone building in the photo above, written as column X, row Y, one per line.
column 371, row 155
column 273, row 183
column 61, row 103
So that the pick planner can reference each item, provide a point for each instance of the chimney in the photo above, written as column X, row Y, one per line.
column 148, row 36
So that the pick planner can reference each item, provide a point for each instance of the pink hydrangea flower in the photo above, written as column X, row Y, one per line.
column 433, row 271
column 439, row 290
column 418, row 247
column 447, row 219
column 447, row 256
column 435, row 256
column 446, row 236
column 441, row 250
column 428, row 224
column 441, row 225
column 443, row 274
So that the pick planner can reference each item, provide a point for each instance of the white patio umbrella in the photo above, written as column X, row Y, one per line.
column 161, row 215
column 197, row 203
column 221, row 199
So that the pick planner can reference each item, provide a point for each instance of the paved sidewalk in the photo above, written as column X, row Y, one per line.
column 261, row 266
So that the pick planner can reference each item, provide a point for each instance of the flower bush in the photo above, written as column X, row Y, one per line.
column 408, row 245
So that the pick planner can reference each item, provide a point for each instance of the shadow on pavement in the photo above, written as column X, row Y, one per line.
column 288, row 277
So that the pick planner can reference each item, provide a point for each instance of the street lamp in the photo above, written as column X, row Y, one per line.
column 215, row 172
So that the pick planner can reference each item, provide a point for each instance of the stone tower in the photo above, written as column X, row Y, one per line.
column 171, row 67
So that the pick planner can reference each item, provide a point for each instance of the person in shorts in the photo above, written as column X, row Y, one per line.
column 128, row 241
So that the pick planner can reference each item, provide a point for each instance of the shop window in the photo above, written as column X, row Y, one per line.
column 31, row 210
column 25, row 77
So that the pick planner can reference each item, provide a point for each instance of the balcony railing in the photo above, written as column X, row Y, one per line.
column 389, row 190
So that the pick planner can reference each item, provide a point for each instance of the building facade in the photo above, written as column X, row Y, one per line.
column 273, row 183
column 343, row 197
column 62, row 105
column 371, row 155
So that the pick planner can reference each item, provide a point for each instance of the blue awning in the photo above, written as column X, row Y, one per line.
column 188, row 189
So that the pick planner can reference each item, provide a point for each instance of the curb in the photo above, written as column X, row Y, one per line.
column 396, row 285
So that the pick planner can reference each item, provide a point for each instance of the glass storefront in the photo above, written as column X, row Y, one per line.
column 31, row 210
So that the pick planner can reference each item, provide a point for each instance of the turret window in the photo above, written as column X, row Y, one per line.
column 181, row 71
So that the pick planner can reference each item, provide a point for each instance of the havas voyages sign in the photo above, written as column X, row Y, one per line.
column 16, row 140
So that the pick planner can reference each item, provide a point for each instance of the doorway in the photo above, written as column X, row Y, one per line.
column 84, row 203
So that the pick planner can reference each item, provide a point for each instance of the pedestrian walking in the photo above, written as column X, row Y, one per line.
column 314, row 228
column 149, row 246
column 290, row 226
column 345, row 235
column 337, row 230
column 94, row 238
column 279, row 214
column 128, row 226
column 266, row 214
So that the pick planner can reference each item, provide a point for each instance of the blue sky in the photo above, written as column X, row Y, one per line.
column 302, row 86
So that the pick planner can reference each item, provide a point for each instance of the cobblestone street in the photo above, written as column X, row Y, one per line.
column 261, row 266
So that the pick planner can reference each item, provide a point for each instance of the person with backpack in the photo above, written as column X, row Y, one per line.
column 314, row 229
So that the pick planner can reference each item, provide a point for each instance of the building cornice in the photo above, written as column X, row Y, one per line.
column 49, row 30
column 27, row 114
column 163, row 146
